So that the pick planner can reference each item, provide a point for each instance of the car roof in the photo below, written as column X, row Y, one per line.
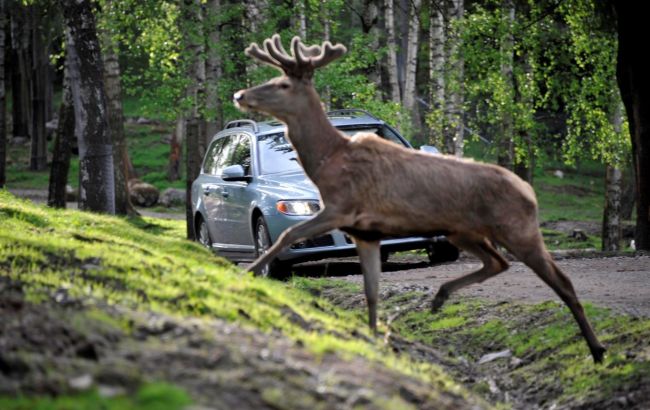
column 339, row 118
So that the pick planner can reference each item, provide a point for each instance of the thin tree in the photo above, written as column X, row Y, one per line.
column 409, row 97
column 437, row 41
column 393, row 72
column 3, row 100
column 506, row 146
column 21, row 69
column 213, row 71
column 455, row 127
column 40, row 69
column 96, row 175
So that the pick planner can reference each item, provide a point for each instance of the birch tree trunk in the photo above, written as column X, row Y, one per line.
column 301, row 16
column 96, row 176
column 613, row 196
column 454, row 109
column 327, row 28
column 63, row 139
column 505, row 145
column 437, row 40
column 409, row 98
column 113, row 86
column 612, row 213
column 393, row 71
column 3, row 96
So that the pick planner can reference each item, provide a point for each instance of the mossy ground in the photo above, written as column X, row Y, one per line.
column 552, row 364
column 99, row 266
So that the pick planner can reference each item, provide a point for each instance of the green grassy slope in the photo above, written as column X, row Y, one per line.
column 145, row 265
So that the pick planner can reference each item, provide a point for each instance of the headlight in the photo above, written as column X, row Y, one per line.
column 298, row 208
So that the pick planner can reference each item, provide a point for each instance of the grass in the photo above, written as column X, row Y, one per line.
column 155, row 396
column 547, row 339
column 146, row 264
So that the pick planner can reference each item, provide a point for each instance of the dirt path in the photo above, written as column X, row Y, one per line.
column 620, row 283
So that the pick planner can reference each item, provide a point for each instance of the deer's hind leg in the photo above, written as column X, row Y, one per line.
column 493, row 264
column 540, row 261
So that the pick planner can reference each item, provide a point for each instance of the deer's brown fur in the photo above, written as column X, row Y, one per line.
column 372, row 189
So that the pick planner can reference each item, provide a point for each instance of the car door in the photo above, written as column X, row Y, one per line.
column 237, row 196
column 217, row 158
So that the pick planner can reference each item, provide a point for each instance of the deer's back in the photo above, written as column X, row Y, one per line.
column 410, row 188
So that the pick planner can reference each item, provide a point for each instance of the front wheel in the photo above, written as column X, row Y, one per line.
column 275, row 269
column 203, row 234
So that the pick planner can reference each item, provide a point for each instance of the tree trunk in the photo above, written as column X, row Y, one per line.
column 454, row 110
column 301, row 7
column 192, row 169
column 63, row 138
column 113, row 87
column 3, row 96
column 176, row 150
column 96, row 176
column 612, row 212
column 369, row 20
column 213, row 74
column 632, row 74
column 505, row 145
column 195, row 145
column 436, row 72
column 409, row 97
column 393, row 72
column 40, row 68
column 326, row 94
column 21, row 72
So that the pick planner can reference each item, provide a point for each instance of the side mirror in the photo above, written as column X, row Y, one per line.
column 235, row 173
column 429, row 149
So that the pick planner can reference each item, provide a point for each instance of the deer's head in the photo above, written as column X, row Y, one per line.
column 293, row 92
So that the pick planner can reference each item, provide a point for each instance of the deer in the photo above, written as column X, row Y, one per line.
column 372, row 189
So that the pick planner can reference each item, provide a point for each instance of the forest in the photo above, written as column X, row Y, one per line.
column 532, row 81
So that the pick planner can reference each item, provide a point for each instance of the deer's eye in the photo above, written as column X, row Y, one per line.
column 284, row 86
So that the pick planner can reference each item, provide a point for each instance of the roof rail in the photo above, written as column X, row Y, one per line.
column 242, row 123
column 351, row 112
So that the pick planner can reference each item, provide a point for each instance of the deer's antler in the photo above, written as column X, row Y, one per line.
column 302, row 61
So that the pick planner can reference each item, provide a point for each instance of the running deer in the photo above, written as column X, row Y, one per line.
column 372, row 189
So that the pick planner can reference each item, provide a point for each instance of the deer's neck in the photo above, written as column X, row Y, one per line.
column 314, row 139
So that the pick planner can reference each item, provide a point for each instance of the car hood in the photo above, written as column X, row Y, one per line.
column 292, row 184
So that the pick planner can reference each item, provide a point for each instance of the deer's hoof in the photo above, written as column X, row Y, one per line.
column 598, row 353
column 439, row 300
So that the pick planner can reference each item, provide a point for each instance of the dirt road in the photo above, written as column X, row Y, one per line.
column 620, row 283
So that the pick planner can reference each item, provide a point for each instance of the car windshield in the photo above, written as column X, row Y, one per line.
column 277, row 155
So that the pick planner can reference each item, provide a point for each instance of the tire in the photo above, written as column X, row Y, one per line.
column 384, row 256
column 275, row 269
column 442, row 251
column 203, row 234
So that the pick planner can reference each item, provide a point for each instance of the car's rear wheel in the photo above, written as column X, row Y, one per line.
column 203, row 234
column 275, row 269
column 442, row 251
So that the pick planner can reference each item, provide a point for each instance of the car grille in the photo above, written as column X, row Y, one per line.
column 325, row 240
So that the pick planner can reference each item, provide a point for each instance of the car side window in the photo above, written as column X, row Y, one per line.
column 242, row 153
column 212, row 156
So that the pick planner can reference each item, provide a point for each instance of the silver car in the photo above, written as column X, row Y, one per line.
column 252, row 187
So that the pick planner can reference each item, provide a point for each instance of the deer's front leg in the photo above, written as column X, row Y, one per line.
column 321, row 223
column 370, row 258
